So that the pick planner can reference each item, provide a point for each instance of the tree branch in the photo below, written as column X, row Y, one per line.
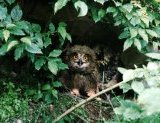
column 87, row 100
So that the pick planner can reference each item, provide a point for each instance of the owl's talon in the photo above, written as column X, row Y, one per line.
column 75, row 92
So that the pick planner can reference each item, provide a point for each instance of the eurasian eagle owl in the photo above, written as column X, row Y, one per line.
column 83, row 70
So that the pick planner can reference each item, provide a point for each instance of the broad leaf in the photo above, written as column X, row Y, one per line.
column 128, row 7
column 3, row 13
column 18, row 52
column 55, row 53
column 80, row 5
column 47, row 41
column 11, row 44
column 138, row 86
column 128, row 43
column 101, row 1
column 53, row 66
column 10, row 1
column 39, row 63
column 60, row 4
column 46, row 87
column 51, row 27
column 133, row 32
column 57, row 84
column 110, row 9
column 152, row 33
column 6, row 34
column 143, row 34
column 124, row 34
column 26, row 40
column 33, row 48
column 137, row 43
column 62, row 30
column 153, row 55
column 16, row 13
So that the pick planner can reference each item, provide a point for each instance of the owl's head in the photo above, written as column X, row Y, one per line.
column 80, row 57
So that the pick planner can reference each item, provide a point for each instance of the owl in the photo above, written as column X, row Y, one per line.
column 83, row 70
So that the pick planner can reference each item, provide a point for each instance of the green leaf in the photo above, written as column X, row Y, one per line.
column 16, row 13
column 137, row 86
column 82, row 6
column 62, row 66
column 137, row 43
column 36, row 28
column 57, row 84
column 12, row 44
column 152, row 33
column 128, row 75
column 3, row 49
column 149, row 100
column 145, row 21
column 59, row 5
column 47, row 41
column 51, row 27
column 10, row 25
column 53, row 66
column 133, row 32
column 128, row 7
column 62, row 29
column 153, row 55
column 16, row 31
column 111, row 9
column 39, row 63
column 128, row 43
column 55, row 53
column 135, row 21
column 46, row 87
column 18, row 52
column 68, row 36
column 22, row 25
column 10, row 1
column 101, row 1
column 125, row 87
column 143, row 34
column 131, row 114
column 55, row 93
column 6, row 34
column 26, row 40
column 124, row 34
column 121, row 70
column 3, row 13
column 33, row 48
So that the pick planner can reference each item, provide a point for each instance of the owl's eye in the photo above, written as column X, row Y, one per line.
column 75, row 57
column 85, row 58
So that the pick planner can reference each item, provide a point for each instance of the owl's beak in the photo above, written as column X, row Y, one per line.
column 80, row 62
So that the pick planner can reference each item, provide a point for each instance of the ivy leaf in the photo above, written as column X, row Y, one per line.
column 59, row 5
column 51, row 27
column 12, row 44
column 18, row 52
column 6, row 34
column 3, row 13
column 137, row 86
column 62, row 29
column 53, row 66
column 152, row 33
column 55, row 53
column 82, row 6
column 16, row 13
column 143, row 34
column 101, row 1
column 127, row 44
column 39, row 63
column 137, row 43
column 26, row 40
column 33, row 48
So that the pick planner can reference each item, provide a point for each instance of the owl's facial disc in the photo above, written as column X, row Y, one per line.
column 80, row 61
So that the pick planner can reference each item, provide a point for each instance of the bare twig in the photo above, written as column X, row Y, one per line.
column 87, row 100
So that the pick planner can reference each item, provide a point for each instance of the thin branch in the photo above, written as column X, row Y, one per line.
column 87, row 100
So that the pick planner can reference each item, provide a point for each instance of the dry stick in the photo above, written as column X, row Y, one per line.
column 86, row 100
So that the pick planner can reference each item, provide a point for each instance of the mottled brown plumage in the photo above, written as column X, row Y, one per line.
column 83, row 70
